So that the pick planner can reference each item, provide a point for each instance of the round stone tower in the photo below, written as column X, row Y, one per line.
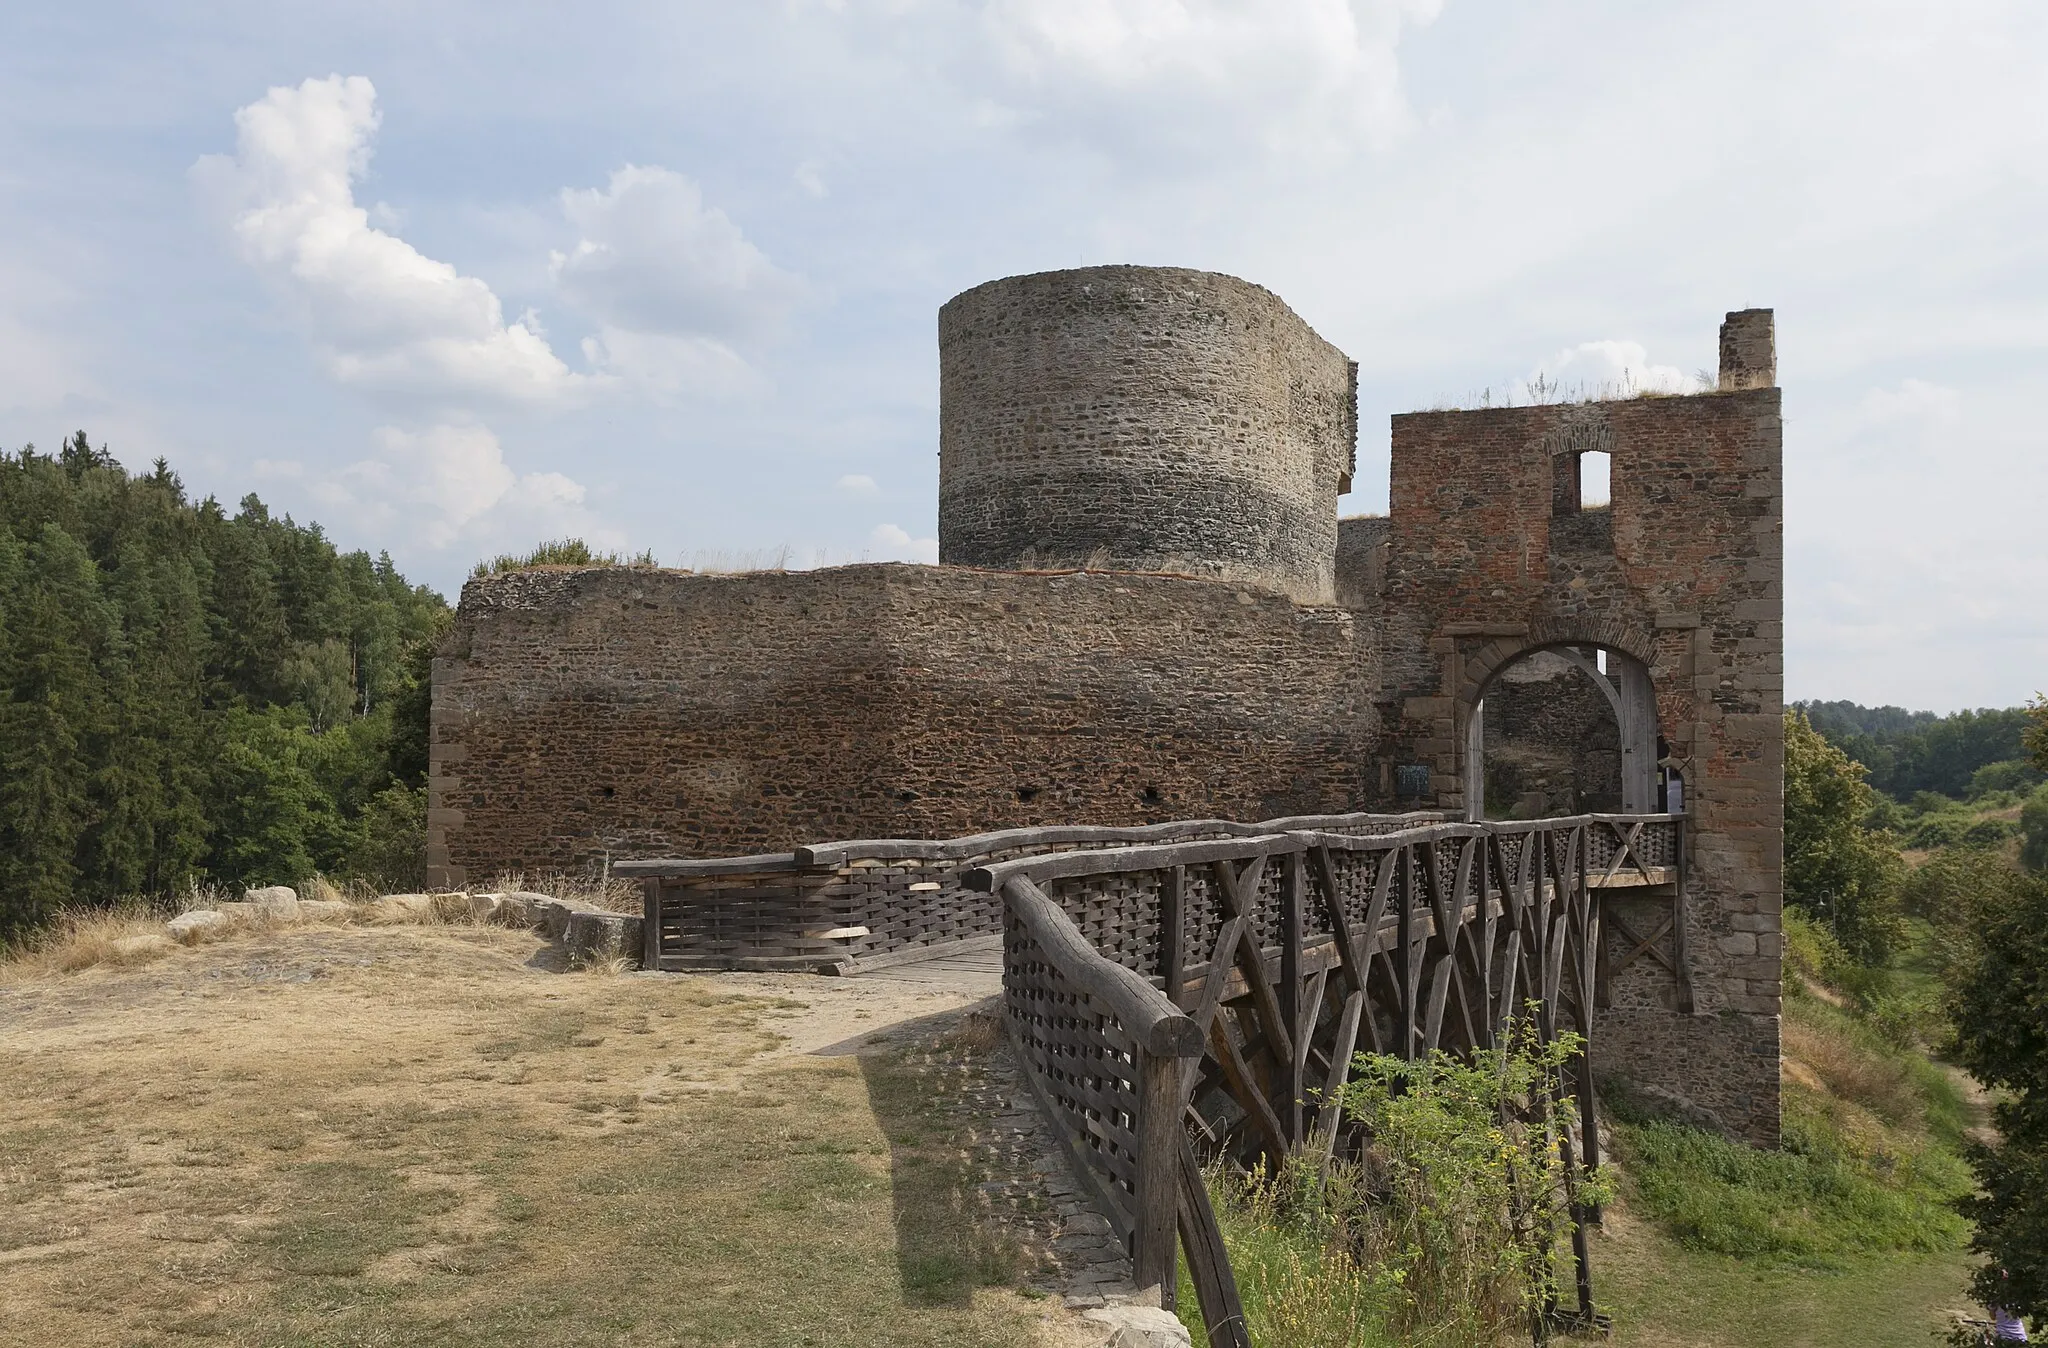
column 1142, row 419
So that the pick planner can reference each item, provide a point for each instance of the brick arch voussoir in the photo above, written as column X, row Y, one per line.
column 1614, row 633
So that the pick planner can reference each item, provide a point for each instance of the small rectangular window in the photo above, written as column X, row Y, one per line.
column 1594, row 467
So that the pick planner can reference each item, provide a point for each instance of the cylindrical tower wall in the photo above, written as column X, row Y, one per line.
column 1144, row 419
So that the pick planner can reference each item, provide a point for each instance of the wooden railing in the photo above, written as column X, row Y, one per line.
column 851, row 906
column 1226, row 983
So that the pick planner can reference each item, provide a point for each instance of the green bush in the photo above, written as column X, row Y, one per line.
column 1998, row 1003
column 1836, row 869
column 1989, row 832
column 390, row 848
column 1932, row 832
column 2016, row 775
column 1444, row 1231
column 2034, row 830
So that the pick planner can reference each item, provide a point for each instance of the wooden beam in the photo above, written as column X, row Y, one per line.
column 1156, row 1204
column 1290, row 998
column 1173, row 930
column 1212, row 991
column 1330, row 1113
column 1245, row 1087
column 1208, row 1261
column 1439, row 986
column 1238, row 892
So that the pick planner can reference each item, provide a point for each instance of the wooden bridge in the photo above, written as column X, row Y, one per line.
column 1211, row 979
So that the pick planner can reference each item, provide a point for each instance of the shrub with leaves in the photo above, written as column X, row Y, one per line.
column 1998, row 1002
column 1844, row 874
column 1465, row 1180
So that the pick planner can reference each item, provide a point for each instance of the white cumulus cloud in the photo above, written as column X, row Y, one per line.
column 449, row 485
column 672, row 282
column 1602, row 369
column 858, row 485
column 382, row 316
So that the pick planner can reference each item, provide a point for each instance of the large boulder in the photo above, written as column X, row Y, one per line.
column 324, row 910
column 402, row 908
column 189, row 926
column 600, row 937
column 275, row 901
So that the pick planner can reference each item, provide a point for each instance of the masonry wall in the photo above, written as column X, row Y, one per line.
column 1142, row 418
column 1361, row 561
column 1684, row 573
column 579, row 713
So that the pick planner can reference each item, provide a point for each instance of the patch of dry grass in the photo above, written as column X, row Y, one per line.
column 134, row 933
column 603, row 890
column 352, row 1135
column 1850, row 1071
column 120, row 937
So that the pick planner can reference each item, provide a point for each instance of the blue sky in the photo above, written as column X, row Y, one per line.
column 450, row 278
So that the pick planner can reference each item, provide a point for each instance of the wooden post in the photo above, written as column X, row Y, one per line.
column 1291, row 989
column 1208, row 1262
column 1681, row 945
column 1154, row 1254
column 1411, row 966
column 1173, row 931
column 650, row 923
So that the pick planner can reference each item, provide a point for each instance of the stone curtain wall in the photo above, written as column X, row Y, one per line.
column 1143, row 418
column 1361, row 561
column 634, row 713
column 1685, row 573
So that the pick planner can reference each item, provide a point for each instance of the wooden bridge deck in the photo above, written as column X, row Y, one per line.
column 974, row 970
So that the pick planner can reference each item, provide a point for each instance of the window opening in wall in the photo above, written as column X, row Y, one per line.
column 1594, row 466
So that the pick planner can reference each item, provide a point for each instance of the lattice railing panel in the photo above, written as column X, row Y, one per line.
column 1085, row 1067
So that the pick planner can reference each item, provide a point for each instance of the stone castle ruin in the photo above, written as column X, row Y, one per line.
column 1146, row 609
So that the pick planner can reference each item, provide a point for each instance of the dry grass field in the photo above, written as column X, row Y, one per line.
column 421, row 1136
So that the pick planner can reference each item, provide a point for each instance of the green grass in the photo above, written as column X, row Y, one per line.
column 1663, row 1295
column 1295, row 1295
column 1847, row 1237
column 343, row 1215
column 1821, row 1199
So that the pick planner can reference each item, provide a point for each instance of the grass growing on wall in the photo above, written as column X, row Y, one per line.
column 558, row 552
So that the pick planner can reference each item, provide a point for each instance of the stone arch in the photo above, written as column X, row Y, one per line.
column 1480, row 665
column 1634, row 703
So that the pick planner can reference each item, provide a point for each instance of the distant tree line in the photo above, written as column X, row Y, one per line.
column 188, row 694
column 1907, row 752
